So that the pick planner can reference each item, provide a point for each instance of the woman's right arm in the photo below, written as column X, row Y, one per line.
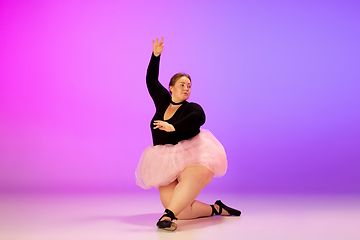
column 157, row 92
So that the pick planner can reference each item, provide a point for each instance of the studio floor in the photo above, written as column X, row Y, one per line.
column 133, row 216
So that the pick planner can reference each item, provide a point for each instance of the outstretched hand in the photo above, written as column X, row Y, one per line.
column 162, row 125
column 158, row 46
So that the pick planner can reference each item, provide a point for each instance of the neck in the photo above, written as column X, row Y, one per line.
column 176, row 103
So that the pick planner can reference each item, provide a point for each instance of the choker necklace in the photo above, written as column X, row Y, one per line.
column 173, row 103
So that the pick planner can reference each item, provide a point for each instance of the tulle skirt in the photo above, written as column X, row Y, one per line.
column 160, row 165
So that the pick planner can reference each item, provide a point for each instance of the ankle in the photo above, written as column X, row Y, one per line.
column 166, row 218
column 170, row 214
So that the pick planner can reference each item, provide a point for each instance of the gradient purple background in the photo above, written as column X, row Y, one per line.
column 279, row 82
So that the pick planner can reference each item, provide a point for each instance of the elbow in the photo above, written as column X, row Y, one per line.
column 203, row 119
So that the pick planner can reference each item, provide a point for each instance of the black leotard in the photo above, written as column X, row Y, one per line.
column 186, row 120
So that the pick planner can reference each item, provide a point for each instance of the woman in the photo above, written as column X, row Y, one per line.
column 183, row 159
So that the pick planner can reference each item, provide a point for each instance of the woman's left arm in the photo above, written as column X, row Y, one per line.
column 194, row 118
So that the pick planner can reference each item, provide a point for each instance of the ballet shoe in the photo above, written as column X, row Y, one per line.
column 166, row 224
column 231, row 211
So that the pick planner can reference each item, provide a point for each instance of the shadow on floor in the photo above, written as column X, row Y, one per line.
column 150, row 220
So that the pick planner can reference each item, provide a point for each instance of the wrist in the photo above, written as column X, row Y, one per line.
column 172, row 128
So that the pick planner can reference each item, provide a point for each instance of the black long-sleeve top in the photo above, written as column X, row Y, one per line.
column 186, row 120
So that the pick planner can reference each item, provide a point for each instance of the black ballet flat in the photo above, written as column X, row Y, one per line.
column 166, row 224
column 231, row 211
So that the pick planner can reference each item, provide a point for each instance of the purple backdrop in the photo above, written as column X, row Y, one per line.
column 279, row 82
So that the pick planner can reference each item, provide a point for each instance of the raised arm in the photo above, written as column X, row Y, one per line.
column 157, row 91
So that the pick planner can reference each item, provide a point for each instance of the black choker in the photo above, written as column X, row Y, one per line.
column 176, row 103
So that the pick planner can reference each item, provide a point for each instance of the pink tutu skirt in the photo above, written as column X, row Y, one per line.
column 160, row 165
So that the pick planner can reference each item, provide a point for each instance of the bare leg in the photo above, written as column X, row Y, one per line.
column 166, row 193
column 179, row 196
column 190, row 183
column 194, row 210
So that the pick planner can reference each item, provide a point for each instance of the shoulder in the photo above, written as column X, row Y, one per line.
column 192, row 104
column 194, row 107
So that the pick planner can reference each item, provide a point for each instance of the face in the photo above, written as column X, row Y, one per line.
column 181, row 90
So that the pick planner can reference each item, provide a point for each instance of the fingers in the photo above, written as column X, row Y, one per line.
column 159, row 127
column 159, row 124
column 156, row 125
column 157, row 41
column 162, row 125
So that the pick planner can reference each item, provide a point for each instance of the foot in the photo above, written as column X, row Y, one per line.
column 221, row 209
column 223, row 213
column 165, row 222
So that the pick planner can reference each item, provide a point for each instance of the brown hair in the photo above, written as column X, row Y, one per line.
column 176, row 77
